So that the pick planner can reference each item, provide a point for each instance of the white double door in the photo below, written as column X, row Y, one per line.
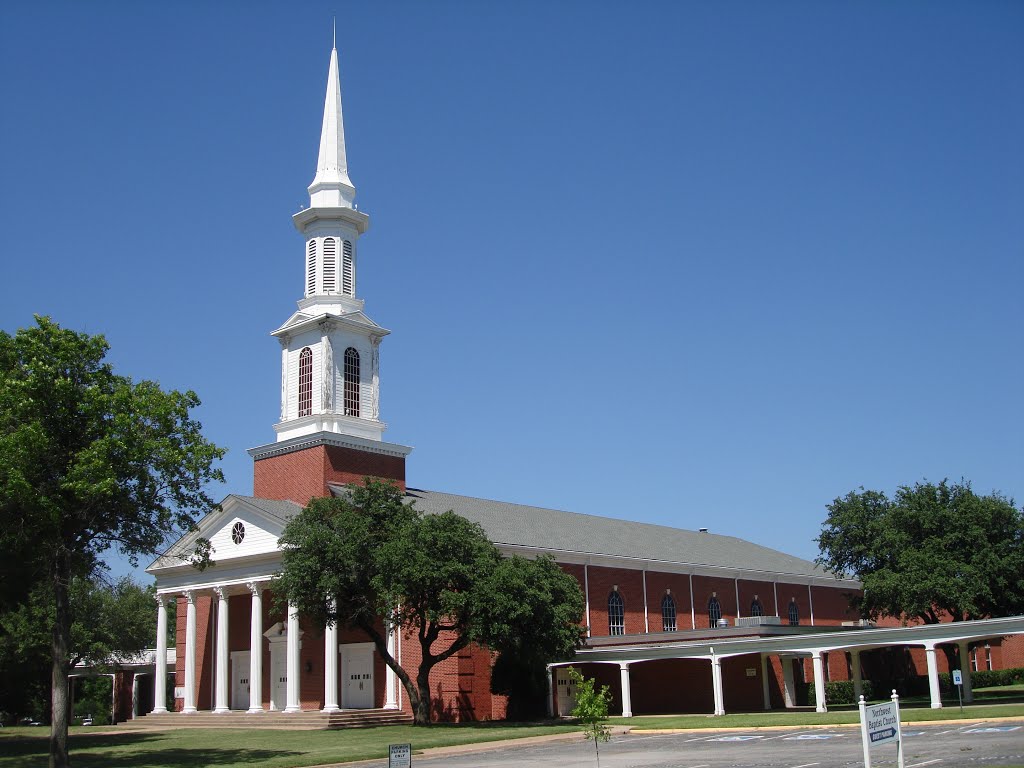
column 240, row 680
column 357, row 675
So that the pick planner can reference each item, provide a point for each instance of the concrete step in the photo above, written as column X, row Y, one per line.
column 312, row 720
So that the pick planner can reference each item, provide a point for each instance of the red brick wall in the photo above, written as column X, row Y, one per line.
column 679, row 586
column 304, row 474
column 668, row 685
column 630, row 588
column 831, row 606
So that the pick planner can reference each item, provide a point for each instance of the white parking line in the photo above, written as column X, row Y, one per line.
column 699, row 738
column 927, row 762
column 786, row 735
column 972, row 725
column 702, row 765
column 941, row 733
column 808, row 765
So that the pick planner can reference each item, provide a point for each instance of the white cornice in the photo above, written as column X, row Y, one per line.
column 328, row 438
column 340, row 322
column 350, row 216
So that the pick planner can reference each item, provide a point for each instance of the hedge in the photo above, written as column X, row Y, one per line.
column 841, row 691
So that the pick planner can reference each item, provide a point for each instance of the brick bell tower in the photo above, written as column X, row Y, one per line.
column 330, row 428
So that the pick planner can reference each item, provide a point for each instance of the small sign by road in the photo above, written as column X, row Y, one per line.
column 399, row 755
column 880, row 724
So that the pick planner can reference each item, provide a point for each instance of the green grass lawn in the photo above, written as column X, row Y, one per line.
column 100, row 747
column 96, row 747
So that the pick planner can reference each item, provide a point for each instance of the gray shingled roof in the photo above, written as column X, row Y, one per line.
column 520, row 525
column 282, row 510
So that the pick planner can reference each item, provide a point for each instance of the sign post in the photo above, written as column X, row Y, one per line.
column 958, row 681
column 399, row 755
column 880, row 724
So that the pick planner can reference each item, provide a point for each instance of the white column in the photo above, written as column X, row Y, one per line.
column 933, row 676
column 764, row 682
column 292, row 690
column 819, row 682
column 965, row 671
column 551, row 693
column 858, row 680
column 160, row 663
column 788, row 683
column 331, row 669
column 221, row 694
column 190, row 652
column 586, row 595
column 716, row 685
column 135, row 696
column 256, row 649
column 390, row 678
column 627, row 704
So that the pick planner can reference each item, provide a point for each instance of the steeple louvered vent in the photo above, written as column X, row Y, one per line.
column 347, row 270
column 330, row 265
column 311, row 268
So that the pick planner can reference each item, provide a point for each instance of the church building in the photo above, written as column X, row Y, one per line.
column 677, row 620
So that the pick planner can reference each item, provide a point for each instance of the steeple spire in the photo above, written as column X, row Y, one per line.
column 332, row 188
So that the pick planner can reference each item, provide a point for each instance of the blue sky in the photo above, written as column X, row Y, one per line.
column 697, row 264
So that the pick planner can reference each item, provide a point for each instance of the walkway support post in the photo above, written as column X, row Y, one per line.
column 933, row 676
column 765, row 692
column 160, row 662
column 627, row 704
column 858, row 680
column 190, row 653
column 819, row 682
column 965, row 672
column 256, row 649
column 221, row 693
column 716, row 684
column 292, row 661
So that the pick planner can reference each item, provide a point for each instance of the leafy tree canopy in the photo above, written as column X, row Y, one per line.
column 369, row 555
column 89, row 461
column 109, row 623
column 932, row 551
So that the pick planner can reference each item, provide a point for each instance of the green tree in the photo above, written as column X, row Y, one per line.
column 369, row 555
column 934, row 552
column 89, row 461
column 591, row 709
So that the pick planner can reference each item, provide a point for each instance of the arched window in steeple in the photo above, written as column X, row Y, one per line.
column 616, row 614
column 351, row 382
column 311, row 268
column 330, row 265
column 714, row 611
column 305, row 382
column 668, row 613
column 348, row 279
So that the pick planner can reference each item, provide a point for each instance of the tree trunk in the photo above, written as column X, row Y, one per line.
column 59, row 662
column 421, row 708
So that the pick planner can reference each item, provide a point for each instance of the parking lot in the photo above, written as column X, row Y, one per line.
column 974, row 744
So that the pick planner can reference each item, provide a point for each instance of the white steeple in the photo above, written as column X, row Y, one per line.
column 331, row 186
column 330, row 347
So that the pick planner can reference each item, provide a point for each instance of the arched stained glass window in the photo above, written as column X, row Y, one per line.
column 794, row 614
column 714, row 611
column 351, row 382
column 305, row 382
column 756, row 609
column 616, row 615
column 668, row 613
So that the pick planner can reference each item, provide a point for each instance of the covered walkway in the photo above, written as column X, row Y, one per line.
column 813, row 645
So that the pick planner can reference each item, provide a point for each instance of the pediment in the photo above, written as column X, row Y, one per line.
column 297, row 318
column 237, row 529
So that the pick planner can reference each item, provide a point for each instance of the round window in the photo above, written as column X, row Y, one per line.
column 237, row 533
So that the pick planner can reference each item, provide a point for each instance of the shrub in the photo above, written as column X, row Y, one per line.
column 841, row 692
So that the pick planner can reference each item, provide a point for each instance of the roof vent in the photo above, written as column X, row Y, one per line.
column 703, row 530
